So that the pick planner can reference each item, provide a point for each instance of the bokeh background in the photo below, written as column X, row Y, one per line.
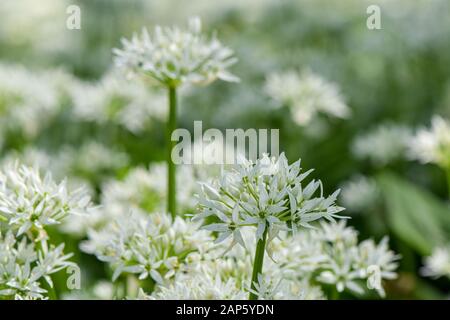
column 60, row 108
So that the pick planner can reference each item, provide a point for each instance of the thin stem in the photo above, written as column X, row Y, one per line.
column 171, row 168
column 258, row 263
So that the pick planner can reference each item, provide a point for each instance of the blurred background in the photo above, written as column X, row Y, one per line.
column 63, row 106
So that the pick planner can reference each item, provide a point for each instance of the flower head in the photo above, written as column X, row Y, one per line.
column 23, row 267
column 432, row 145
column 306, row 94
column 29, row 202
column 173, row 57
column 268, row 195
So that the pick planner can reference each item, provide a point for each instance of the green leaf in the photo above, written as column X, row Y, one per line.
column 413, row 214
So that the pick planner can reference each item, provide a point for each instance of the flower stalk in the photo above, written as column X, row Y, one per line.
column 171, row 168
column 258, row 263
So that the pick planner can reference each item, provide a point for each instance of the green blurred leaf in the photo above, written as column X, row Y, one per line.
column 413, row 214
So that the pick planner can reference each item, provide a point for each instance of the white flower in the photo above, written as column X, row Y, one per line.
column 131, row 105
column 306, row 94
column 173, row 57
column 29, row 100
column 432, row 145
column 384, row 144
column 23, row 267
column 359, row 194
column 268, row 195
column 152, row 246
column 205, row 284
column 438, row 264
column 29, row 202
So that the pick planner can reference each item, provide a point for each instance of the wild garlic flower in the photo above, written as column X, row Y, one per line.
column 204, row 285
column 282, row 289
column 384, row 144
column 348, row 263
column 268, row 195
column 331, row 255
column 432, row 145
column 114, row 100
column 24, row 267
column 28, row 100
column 29, row 202
column 306, row 94
column 172, row 56
column 438, row 264
column 359, row 194
column 152, row 246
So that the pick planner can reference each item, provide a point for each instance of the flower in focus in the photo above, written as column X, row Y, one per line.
column 268, row 195
column 306, row 94
column 173, row 57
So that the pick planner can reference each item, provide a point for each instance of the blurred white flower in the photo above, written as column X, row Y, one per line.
column 438, row 264
column 384, row 144
column 172, row 56
column 359, row 194
column 432, row 145
column 113, row 99
column 29, row 100
column 307, row 94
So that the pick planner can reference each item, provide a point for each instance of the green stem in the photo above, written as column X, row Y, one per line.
column 258, row 263
column 171, row 168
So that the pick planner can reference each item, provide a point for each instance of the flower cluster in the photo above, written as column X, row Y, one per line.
column 173, row 57
column 306, row 94
column 432, row 145
column 153, row 246
column 268, row 195
column 24, row 267
column 383, row 144
column 29, row 204
column 303, row 266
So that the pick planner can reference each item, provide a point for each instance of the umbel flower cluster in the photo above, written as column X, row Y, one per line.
column 172, row 56
column 306, row 94
column 269, row 195
column 305, row 266
column 28, row 205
